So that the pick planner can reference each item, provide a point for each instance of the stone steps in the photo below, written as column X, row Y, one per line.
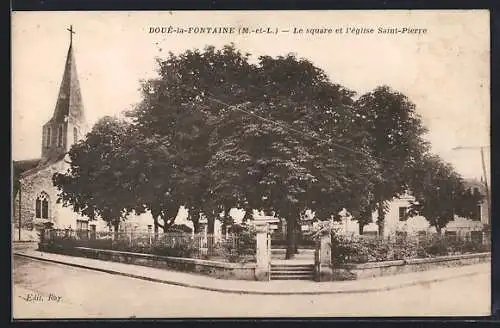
column 292, row 271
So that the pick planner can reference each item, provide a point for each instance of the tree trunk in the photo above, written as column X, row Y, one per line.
column 248, row 215
column 116, row 226
column 167, row 223
column 438, row 230
column 210, row 225
column 156, row 226
column 225, row 221
column 297, row 238
column 195, row 218
column 210, row 234
column 290, row 237
column 361, row 227
column 380, row 220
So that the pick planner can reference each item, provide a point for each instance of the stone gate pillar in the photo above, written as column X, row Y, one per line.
column 262, row 251
column 323, row 258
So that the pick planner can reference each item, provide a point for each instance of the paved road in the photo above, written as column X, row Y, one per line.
column 78, row 293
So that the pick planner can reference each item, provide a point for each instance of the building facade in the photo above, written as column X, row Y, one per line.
column 396, row 220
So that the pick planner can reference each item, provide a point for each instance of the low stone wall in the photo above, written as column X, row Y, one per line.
column 387, row 268
column 221, row 270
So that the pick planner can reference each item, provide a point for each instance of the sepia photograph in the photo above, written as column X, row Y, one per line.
column 250, row 164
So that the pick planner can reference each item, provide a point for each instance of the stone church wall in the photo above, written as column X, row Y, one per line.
column 32, row 186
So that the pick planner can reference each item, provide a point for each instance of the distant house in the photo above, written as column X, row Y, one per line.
column 396, row 219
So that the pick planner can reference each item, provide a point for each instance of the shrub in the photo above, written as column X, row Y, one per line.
column 59, row 244
column 346, row 250
column 436, row 245
column 405, row 249
column 238, row 249
column 472, row 246
column 247, row 242
column 186, row 250
column 362, row 249
column 98, row 243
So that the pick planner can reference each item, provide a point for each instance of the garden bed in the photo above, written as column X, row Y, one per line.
column 354, row 271
column 359, row 250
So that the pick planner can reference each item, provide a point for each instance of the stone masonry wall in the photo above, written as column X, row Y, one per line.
column 33, row 185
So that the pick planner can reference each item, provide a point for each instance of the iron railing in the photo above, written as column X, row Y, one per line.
column 231, row 247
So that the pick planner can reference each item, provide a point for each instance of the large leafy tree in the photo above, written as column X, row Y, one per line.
column 396, row 143
column 179, row 108
column 276, row 153
column 440, row 194
column 117, row 170
column 150, row 165
column 94, row 185
column 214, row 132
column 243, row 158
column 279, row 152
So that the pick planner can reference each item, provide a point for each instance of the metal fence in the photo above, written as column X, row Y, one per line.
column 203, row 246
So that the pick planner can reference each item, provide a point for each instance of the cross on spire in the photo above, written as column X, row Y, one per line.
column 71, row 32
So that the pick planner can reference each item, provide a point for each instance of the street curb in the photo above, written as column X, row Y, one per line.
column 252, row 292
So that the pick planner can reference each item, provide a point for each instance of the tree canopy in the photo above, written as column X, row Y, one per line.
column 440, row 193
column 216, row 131
column 396, row 140
column 96, row 184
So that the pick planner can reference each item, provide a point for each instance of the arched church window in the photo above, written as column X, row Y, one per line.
column 49, row 131
column 38, row 208
column 75, row 135
column 42, row 206
column 45, row 209
column 60, row 136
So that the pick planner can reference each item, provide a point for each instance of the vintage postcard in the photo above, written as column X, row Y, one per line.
column 218, row 164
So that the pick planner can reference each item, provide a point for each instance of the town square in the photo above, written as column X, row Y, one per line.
column 241, row 174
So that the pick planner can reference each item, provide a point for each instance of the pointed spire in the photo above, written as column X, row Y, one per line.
column 71, row 32
column 69, row 104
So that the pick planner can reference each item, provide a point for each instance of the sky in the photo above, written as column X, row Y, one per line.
column 444, row 71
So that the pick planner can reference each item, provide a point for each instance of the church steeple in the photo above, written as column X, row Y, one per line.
column 68, row 123
column 69, row 103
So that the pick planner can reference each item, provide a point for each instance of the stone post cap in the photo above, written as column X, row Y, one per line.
column 261, row 226
column 266, row 218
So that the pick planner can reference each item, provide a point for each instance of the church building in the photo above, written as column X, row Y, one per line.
column 35, row 195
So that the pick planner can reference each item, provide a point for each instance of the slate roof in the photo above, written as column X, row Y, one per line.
column 19, row 167
column 42, row 165
column 69, row 102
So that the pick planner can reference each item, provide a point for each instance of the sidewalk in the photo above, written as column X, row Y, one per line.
column 280, row 287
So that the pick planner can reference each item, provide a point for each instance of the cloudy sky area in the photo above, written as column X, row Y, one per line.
column 444, row 72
